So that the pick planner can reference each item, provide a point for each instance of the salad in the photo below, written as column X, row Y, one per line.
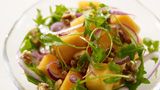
column 92, row 47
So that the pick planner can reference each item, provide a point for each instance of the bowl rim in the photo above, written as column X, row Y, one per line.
column 7, row 36
column 5, row 56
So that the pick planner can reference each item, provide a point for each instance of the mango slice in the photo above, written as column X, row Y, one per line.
column 86, row 4
column 45, row 61
column 127, row 21
column 77, row 21
column 67, row 83
column 66, row 52
column 98, row 84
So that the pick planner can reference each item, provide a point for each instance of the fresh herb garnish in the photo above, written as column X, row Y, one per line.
column 40, row 20
column 79, row 86
column 50, row 40
column 31, row 40
column 140, row 72
column 152, row 46
column 57, row 15
column 54, row 17
column 112, row 80
column 130, row 50
column 85, row 58
column 44, row 78
column 114, row 67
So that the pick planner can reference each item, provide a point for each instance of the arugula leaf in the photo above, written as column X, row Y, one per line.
column 83, row 59
column 50, row 39
column 32, row 80
column 130, row 50
column 114, row 67
column 39, row 19
column 44, row 78
column 95, row 18
column 151, row 45
column 139, row 74
column 98, row 53
column 79, row 86
column 30, row 41
column 26, row 45
column 111, row 80
column 57, row 15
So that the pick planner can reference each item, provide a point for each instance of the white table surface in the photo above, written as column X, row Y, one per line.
column 10, row 10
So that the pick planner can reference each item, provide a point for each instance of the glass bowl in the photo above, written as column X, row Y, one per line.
column 149, row 24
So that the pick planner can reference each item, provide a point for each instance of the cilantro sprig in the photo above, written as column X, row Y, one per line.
column 52, row 18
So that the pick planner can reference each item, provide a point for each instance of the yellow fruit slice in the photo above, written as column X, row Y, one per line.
column 125, row 20
column 67, row 83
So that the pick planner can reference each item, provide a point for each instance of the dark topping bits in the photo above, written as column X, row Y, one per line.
column 124, row 38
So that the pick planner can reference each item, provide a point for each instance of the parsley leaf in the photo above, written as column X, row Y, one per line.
column 139, row 74
column 56, row 16
column 114, row 67
column 151, row 45
column 39, row 19
column 111, row 80
column 26, row 45
column 32, row 80
column 130, row 50
column 85, row 58
column 43, row 77
column 50, row 39
column 79, row 86
column 30, row 41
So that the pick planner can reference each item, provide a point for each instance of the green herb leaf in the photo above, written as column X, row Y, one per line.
column 130, row 50
column 151, row 45
column 85, row 58
column 26, row 45
column 111, row 80
column 39, row 19
column 114, row 67
column 57, row 15
column 44, row 78
column 32, row 80
column 78, row 86
column 139, row 74
column 50, row 39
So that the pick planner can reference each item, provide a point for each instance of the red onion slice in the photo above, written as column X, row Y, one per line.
column 117, row 12
column 133, row 33
column 73, row 78
column 37, row 55
column 52, row 74
column 57, row 26
column 123, row 61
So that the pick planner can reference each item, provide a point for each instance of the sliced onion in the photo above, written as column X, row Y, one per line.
column 133, row 33
column 29, row 71
column 123, row 61
column 57, row 26
column 117, row 12
column 53, row 75
column 45, row 30
column 78, row 14
column 73, row 78
column 37, row 55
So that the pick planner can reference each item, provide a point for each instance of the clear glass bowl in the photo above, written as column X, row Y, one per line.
column 150, row 27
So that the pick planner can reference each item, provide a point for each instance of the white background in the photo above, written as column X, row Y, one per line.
column 10, row 10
